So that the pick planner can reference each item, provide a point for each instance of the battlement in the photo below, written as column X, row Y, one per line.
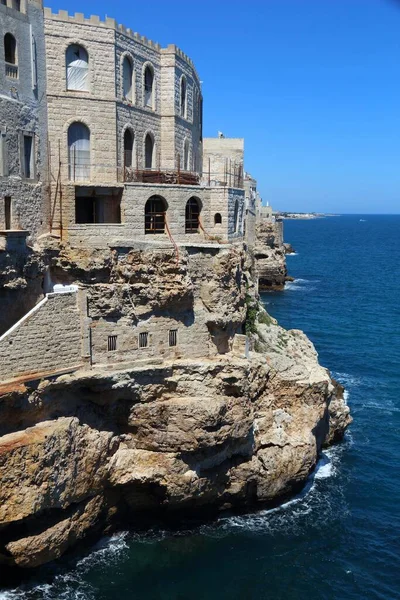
column 111, row 23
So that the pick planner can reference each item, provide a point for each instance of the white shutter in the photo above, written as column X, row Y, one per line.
column 79, row 152
column 77, row 68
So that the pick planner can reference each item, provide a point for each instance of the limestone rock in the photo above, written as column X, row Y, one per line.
column 81, row 452
column 51, row 465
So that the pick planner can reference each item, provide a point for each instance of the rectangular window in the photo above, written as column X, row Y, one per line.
column 27, row 157
column 97, row 209
column 112, row 343
column 143, row 339
column 173, row 337
column 7, row 212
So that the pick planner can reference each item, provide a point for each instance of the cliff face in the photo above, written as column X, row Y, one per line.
column 270, row 255
column 83, row 452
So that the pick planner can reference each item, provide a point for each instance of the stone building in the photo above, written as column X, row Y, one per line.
column 130, row 176
column 125, row 136
column 24, row 206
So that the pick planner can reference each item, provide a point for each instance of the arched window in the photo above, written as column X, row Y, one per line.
column 154, row 215
column 149, row 152
column 186, row 156
column 192, row 215
column 183, row 96
column 217, row 219
column 148, row 86
column 77, row 61
column 236, row 216
column 128, row 148
column 127, row 73
column 10, row 49
column 79, row 152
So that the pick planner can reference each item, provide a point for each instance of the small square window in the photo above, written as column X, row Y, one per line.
column 143, row 339
column 112, row 343
column 173, row 337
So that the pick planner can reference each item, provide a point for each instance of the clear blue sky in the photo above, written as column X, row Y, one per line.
column 312, row 85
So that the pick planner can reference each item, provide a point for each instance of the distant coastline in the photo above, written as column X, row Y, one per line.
column 290, row 215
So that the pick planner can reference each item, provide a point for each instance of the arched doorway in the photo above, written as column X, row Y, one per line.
column 192, row 215
column 154, row 215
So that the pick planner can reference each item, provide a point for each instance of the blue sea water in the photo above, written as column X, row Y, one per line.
column 338, row 540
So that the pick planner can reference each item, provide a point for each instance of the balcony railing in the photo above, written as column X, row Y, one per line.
column 11, row 71
column 80, row 168
column 171, row 177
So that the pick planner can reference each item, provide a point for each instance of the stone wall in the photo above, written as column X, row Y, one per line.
column 47, row 339
column 158, row 346
column 221, row 200
column 23, row 112
column 220, row 157
column 164, row 296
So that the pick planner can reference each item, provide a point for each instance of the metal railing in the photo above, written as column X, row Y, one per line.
column 81, row 169
column 11, row 71
column 169, row 176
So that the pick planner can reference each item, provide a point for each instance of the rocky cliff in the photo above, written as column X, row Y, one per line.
column 270, row 255
column 82, row 453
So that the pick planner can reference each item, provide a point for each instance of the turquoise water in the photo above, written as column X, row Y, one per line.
column 340, row 538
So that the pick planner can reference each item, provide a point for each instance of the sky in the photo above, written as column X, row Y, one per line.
column 312, row 85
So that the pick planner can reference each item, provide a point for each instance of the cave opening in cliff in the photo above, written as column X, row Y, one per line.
column 154, row 215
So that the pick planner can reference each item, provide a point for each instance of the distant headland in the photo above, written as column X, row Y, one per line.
column 313, row 215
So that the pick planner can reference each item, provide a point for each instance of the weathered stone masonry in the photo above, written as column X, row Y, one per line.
column 23, row 119
column 48, row 339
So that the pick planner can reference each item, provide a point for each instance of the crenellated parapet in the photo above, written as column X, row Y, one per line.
column 110, row 23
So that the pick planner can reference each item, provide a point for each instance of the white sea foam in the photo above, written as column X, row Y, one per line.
column 312, row 505
column 347, row 379
column 108, row 549
column 324, row 468
column 289, row 516
column 297, row 284
column 71, row 585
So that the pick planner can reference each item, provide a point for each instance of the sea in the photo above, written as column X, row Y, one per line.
column 339, row 539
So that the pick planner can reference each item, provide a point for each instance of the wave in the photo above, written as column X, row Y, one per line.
column 71, row 585
column 314, row 504
column 300, row 284
column 346, row 379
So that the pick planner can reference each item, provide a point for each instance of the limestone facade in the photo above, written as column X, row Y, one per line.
column 23, row 118
column 138, row 130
